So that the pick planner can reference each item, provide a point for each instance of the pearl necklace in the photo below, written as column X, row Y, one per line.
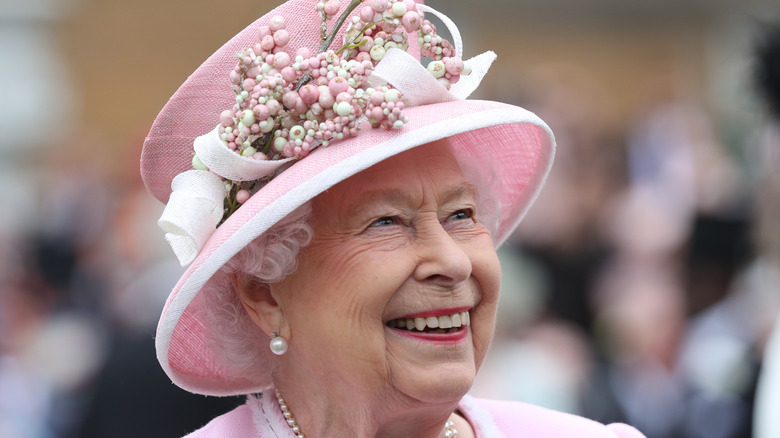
column 449, row 426
column 449, row 429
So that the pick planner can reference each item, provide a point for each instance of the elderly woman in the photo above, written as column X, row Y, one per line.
column 340, row 226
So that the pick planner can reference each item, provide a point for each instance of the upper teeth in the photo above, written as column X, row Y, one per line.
column 442, row 322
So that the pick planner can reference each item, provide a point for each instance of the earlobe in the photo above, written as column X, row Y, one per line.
column 261, row 305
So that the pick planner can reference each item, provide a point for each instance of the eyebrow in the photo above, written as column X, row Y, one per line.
column 397, row 196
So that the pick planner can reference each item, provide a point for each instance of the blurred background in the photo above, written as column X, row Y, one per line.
column 643, row 286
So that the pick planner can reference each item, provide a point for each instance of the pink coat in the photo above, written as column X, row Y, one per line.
column 260, row 417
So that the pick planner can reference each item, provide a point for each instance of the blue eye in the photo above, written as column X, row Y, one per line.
column 461, row 215
column 383, row 221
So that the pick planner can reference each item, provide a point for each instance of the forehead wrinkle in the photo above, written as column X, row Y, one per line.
column 406, row 198
column 460, row 191
column 384, row 196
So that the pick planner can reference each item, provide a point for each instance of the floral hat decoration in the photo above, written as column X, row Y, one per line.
column 303, row 98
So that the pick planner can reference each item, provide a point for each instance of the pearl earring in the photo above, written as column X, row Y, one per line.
column 278, row 344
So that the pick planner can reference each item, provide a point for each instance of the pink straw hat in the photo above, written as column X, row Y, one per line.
column 514, row 142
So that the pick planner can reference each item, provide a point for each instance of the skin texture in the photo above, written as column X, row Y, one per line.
column 399, row 238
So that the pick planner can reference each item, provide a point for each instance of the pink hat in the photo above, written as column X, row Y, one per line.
column 515, row 143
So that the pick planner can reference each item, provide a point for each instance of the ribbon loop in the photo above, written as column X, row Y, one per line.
column 457, row 41
column 407, row 75
column 480, row 65
column 215, row 154
column 192, row 213
column 418, row 86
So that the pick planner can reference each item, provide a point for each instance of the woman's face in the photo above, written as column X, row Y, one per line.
column 399, row 241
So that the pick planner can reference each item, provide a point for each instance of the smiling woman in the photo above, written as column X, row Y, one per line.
column 426, row 262
column 340, row 226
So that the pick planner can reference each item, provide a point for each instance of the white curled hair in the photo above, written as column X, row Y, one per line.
column 266, row 260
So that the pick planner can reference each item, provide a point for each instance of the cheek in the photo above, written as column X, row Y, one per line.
column 354, row 282
column 347, row 257
column 337, row 302
column 485, row 268
column 487, row 273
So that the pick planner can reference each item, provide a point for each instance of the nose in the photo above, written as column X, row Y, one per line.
column 442, row 260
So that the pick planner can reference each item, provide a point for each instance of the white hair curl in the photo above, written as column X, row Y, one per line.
column 266, row 260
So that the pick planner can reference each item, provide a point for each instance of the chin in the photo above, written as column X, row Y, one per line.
column 433, row 372
column 443, row 383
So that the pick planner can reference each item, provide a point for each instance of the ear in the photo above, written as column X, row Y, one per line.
column 262, row 306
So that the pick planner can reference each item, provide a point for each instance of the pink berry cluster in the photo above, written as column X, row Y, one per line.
column 288, row 104
column 277, row 115
column 384, row 24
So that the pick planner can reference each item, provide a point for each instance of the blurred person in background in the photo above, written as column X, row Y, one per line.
column 54, row 257
column 659, row 213
column 129, row 395
column 543, row 350
column 767, row 75
column 51, row 341
column 640, row 321
column 673, row 324
column 48, row 350
column 79, row 298
column 26, row 400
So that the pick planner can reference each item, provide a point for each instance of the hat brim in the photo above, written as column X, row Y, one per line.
column 515, row 143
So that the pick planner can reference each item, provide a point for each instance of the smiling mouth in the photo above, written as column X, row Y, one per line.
column 432, row 324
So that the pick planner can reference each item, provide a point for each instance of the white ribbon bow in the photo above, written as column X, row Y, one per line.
column 193, row 212
column 196, row 203
column 197, row 199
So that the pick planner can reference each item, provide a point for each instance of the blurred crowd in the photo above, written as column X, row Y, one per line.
column 81, row 286
column 641, row 288
column 649, row 271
